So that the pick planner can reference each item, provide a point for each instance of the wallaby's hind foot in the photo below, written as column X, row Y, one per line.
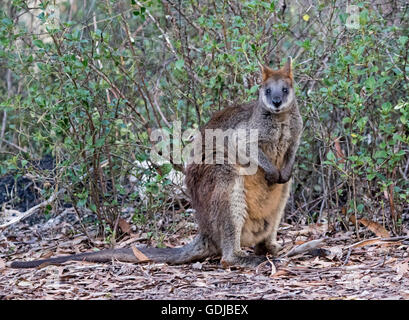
column 242, row 259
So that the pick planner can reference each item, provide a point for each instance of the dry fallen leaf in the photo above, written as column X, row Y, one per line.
column 2, row 264
column 139, row 255
column 405, row 294
column 376, row 228
column 273, row 269
column 365, row 243
column 401, row 269
column 315, row 229
column 197, row 265
column 383, row 242
column 24, row 283
column 335, row 253
column 124, row 225
column 47, row 255
column 279, row 273
column 339, row 152
column 200, row 283
column 325, row 264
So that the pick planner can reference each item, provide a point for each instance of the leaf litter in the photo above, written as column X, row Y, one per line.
column 327, row 265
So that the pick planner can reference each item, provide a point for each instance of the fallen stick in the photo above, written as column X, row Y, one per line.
column 377, row 240
column 313, row 244
column 32, row 210
column 347, row 257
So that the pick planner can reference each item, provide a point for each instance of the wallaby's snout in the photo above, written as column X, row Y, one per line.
column 276, row 101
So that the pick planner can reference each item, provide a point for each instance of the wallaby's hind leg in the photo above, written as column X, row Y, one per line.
column 270, row 244
column 232, row 253
column 231, row 228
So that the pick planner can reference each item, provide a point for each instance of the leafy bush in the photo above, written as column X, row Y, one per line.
column 88, row 84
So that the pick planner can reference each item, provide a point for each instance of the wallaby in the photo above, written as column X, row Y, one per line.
column 232, row 209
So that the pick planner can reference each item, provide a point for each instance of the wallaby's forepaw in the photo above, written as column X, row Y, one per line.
column 272, row 177
column 284, row 176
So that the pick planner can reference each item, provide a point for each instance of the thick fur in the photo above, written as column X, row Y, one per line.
column 196, row 250
column 234, row 210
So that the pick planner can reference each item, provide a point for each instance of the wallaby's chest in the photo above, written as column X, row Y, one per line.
column 264, row 203
column 275, row 143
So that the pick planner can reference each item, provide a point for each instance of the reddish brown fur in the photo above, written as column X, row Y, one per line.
column 261, row 199
column 283, row 73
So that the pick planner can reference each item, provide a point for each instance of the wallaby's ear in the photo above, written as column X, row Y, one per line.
column 288, row 67
column 265, row 72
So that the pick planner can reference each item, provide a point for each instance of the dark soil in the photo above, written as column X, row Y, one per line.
column 21, row 193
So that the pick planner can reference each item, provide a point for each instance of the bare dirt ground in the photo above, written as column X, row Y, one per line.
column 340, row 267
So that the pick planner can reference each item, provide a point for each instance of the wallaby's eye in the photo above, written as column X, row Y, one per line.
column 285, row 90
column 268, row 91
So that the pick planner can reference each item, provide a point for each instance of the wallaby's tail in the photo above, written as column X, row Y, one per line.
column 198, row 249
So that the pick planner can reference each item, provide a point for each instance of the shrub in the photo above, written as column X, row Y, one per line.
column 87, row 84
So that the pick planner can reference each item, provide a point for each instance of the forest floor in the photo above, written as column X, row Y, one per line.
column 340, row 267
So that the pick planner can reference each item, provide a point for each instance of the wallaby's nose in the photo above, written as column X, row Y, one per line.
column 277, row 101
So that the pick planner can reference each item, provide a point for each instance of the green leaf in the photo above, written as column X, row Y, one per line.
column 330, row 156
column 93, row 207
column 100, row 142
column 179, row 64
column 38, row 43
column 81, row 203
column 254, row 89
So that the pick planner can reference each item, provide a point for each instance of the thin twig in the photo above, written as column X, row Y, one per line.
column 13, row 145
column 347, row 257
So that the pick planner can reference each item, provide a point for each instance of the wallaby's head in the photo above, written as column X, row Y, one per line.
column 277, row 90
